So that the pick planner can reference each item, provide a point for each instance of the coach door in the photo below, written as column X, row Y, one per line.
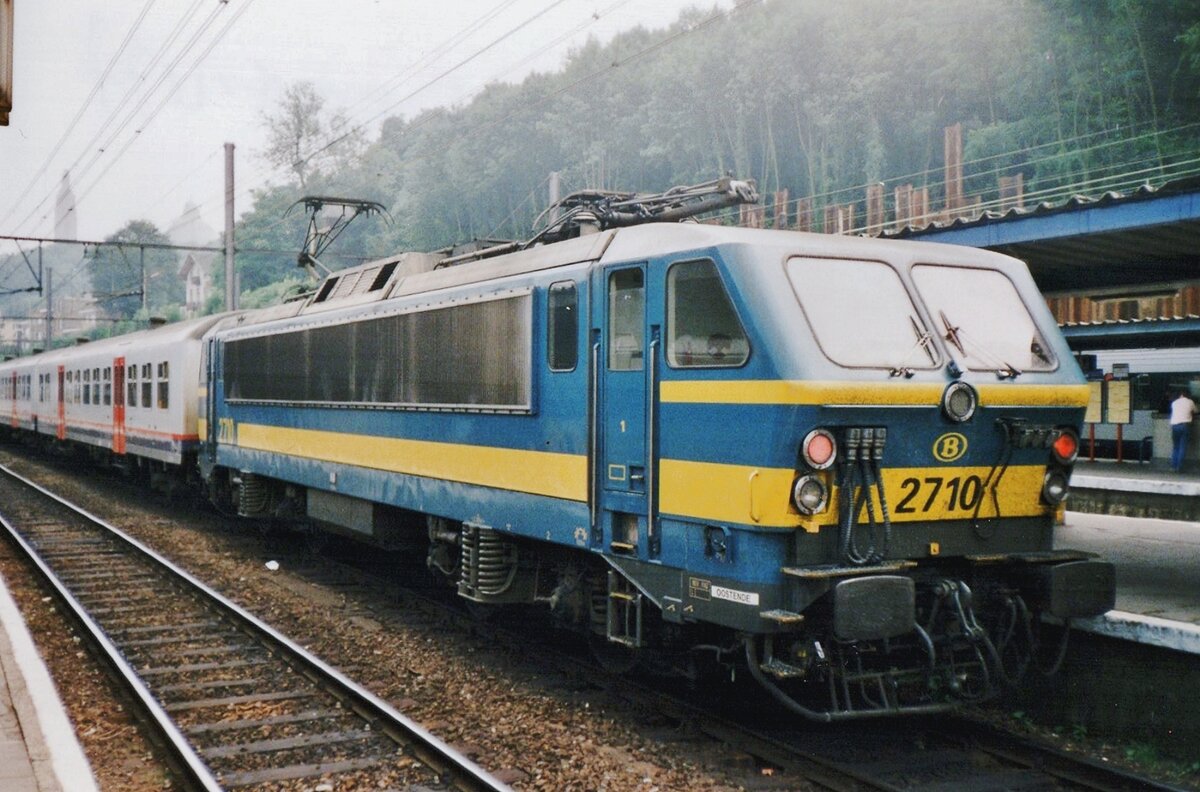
column 625, row 348
column 61, row 433
column 118, row 401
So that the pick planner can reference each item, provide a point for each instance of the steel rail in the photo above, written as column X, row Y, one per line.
column 444, row 760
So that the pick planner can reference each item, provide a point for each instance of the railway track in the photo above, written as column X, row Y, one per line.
column 929, row 754
column 234, row 704
column 952, row 755
column 946, row 754
column 942, row 754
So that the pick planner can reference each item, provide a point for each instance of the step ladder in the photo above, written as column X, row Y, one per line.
column 624, row 612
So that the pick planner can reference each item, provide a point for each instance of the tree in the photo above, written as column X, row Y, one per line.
column 306, row 140
column 117, row 272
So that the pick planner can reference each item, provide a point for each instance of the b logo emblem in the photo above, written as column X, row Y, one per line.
column 949, row 447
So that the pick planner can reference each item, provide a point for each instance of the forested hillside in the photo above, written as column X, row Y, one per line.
column 816, row 98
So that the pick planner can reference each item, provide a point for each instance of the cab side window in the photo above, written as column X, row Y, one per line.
column 562, row 331
column 703, row 329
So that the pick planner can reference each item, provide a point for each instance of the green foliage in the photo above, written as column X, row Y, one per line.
column 117, row 271
column 274, row 293
column 1142, row 753
column 817, row 98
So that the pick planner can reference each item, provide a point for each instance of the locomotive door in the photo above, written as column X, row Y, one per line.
column 208, row 398
column 625, row 359
column 118, row 401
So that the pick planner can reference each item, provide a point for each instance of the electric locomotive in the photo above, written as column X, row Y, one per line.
column 835, row 460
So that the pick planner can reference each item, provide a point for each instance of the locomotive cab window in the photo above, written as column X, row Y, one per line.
column 982, row 317
column 562, row 331
column 703, row 328
column 861, row 314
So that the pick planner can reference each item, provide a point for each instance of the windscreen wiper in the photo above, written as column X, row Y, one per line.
column 952, row 334
column 959, row 339
column 924, row 341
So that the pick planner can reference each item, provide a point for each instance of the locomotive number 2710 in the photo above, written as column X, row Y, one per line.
column 937, row 493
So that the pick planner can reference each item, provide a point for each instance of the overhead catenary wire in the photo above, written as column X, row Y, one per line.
column 91, row 145
column 87, row 102
column 436, row 53
column 477, row 53
column 592, row 18
column 146, row 95
column 170, row 94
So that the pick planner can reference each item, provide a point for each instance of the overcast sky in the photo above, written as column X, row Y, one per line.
column 350, row 49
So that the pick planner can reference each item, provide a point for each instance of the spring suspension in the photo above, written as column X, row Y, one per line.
column 254, row 498
column 488, row 564
column 860, row 481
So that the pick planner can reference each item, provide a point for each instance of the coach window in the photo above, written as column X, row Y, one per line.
column 163, row 383
column 108, row 386
column 626, row 312
column 131, row 386
column 562, row 330
column 702, row 326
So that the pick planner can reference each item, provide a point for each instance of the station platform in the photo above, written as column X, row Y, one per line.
column 1146, row 519
column 1147, row 478
column 39, row 751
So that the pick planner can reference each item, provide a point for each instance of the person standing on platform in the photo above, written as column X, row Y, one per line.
column 1183, row 410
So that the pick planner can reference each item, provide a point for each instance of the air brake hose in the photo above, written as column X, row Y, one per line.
column 877, row 473
column 858, row 483
column 854, row 493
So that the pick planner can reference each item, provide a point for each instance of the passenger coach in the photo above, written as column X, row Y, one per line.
column 130, row 399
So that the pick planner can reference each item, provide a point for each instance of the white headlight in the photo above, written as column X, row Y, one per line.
column 959, row 401
column 809, row 495
column 1055, row 487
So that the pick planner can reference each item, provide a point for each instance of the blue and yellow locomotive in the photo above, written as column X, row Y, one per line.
column 836, row 460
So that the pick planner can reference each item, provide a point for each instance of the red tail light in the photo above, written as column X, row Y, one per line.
column 1066, row 446
column 820, row 449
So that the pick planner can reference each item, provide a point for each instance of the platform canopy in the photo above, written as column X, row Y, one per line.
column 1145, row 238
